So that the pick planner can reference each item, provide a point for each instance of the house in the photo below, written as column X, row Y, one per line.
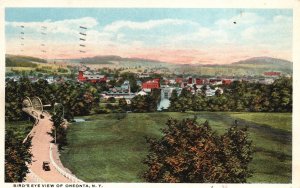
column 117, row 95
column 214, row 81
column 142, row 93
column 226, row 81
column 125, row 87
column 266, row 81
column 178, row 80
column 151, row 84
column 212, row 92
column 166, row 92
column 272, row 73
column 200, row 81
column 50, row 79
column 172, row 81
column 144, row 75
column 86, row 76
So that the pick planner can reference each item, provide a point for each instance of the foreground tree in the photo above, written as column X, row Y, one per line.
column 59, row 131
column 17, row 154
column 192, row 152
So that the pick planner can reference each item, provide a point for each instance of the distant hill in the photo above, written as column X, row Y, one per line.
column 109, row 59
column 266, row 61
column 251, row 66
column 22, row 58
column 22, row 61
column 255, row 66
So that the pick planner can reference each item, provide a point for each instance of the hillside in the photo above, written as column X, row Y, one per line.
column 23, row 59
column 270, row 62
column 109, row 59
column 255, row 66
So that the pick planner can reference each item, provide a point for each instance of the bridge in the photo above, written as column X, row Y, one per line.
column 42, row 149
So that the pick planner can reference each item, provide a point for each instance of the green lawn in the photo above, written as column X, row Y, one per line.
column 281, row 121
column 105, row 149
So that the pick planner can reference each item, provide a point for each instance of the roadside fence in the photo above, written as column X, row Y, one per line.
column 61, row 171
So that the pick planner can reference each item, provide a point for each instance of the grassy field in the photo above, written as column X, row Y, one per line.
column 281, row 121
column 105, row 149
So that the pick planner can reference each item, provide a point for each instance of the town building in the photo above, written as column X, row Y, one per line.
column 179, row 80
column 151, row 84
column 272, row 73
column 212, row 92
column 215, row 81
column 117, row 95
column 226, row 81
column 86, row 76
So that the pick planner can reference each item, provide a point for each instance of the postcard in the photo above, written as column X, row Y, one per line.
column 99, row 94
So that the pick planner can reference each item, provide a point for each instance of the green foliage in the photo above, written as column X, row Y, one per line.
column 146, row 103
column 190, row 152
column 77, row 98
column 111, row 100
column 131, row 77
column 121, row 146
column 13, row 63
column 62, row 70
column 239, row 96
column 181, row 103
column 123, row 105
column 59, row 131
column 17, row 154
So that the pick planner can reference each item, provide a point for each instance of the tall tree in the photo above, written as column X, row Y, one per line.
column 59, row 130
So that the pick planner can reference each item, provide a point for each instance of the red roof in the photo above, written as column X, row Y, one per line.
column 151, row 84
column 272, row 73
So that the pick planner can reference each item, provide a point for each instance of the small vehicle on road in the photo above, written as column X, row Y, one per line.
column 46, row 165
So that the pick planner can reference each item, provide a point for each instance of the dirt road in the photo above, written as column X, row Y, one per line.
column 40, row 150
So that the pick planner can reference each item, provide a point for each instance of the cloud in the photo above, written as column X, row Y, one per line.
column 275, row 32
column 186, row 41
column 247, row 18
column 68, row 26
column 151, row 24
column 280, row 19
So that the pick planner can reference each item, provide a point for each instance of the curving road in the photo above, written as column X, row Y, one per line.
column 40, row 150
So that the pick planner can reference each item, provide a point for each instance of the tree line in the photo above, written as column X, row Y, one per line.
column 76, row 98
column 239, row 96
column 84, row 98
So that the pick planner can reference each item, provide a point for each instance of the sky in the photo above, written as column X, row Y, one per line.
column 193, row 36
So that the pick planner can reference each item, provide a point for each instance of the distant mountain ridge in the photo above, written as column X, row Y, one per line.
column 265, row 61
column 23, row 58
column 107, row 59
column 250, row 66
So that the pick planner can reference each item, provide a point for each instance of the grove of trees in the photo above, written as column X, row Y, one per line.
column 189, row 152
column 77, row 98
